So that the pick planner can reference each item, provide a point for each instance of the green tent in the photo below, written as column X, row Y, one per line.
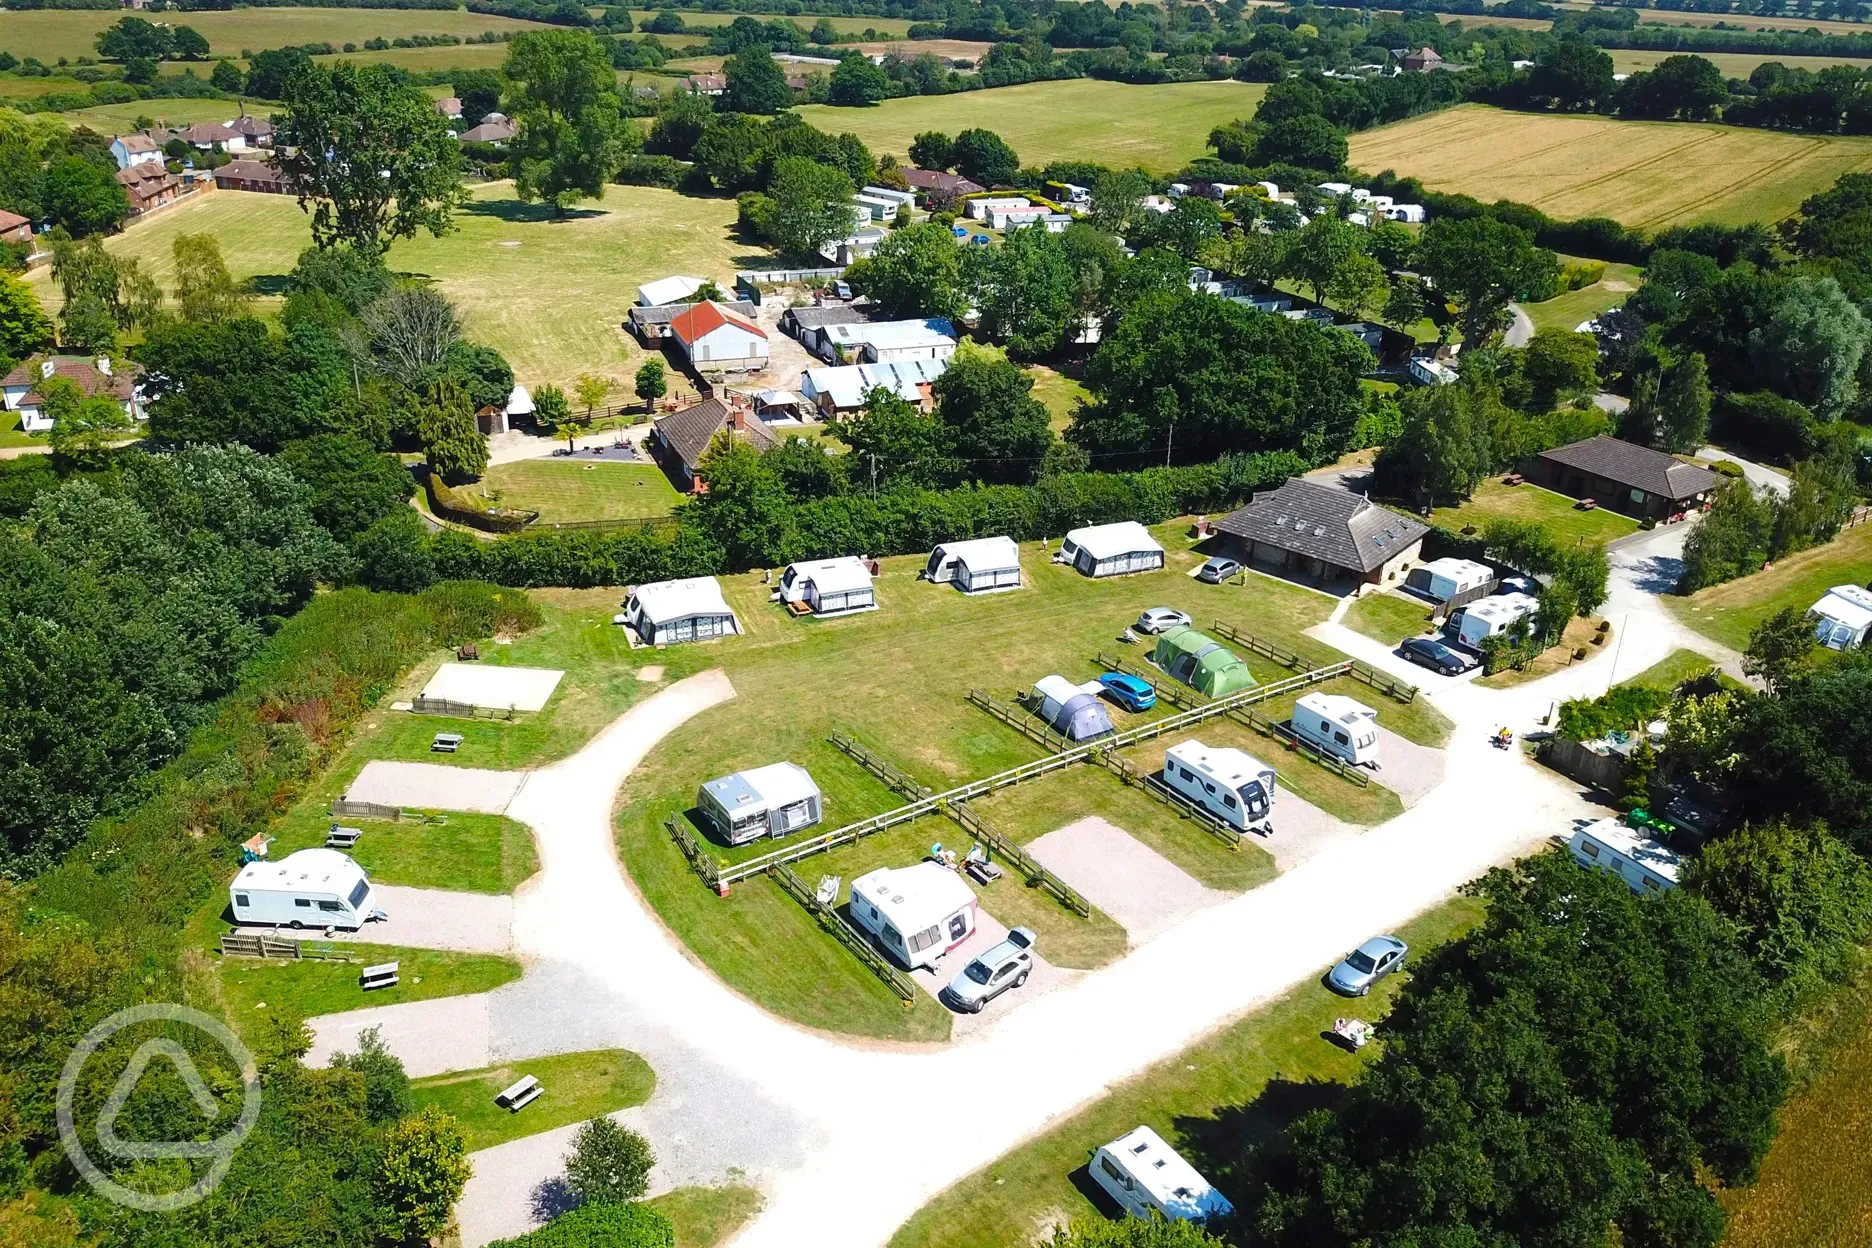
column 1201, row 662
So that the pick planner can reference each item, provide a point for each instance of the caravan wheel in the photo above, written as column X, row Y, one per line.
column 296, row 925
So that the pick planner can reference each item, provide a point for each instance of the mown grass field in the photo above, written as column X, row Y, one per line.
column 1060, row 393
column 458, row 850
column 550, row 294
column 1158, row 127
column 1245, row 1083
column 1734, row 64
column 253, row 988
column 1671, row 670
column 1554, row 512
column 1639, row 172
column 51, row 33
column 1574, row 308
column 114, row 119
column 564, row 490
column 1730, row 611
column 578, row 1086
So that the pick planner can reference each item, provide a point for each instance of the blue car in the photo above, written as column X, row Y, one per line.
column 1128, row 691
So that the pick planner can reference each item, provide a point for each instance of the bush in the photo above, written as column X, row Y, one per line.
column 663, row 171
column 462, row 611
column 609, row 1164
column 1724, row 468
column 600, row 1226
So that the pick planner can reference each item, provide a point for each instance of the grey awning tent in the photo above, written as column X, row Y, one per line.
column 1081, row 718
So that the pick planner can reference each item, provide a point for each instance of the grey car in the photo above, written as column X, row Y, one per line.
column 1366, row 965
column 1161, row 620
column 1217, row 569
column 1005, row 966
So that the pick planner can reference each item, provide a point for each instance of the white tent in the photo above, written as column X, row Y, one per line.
column 918, row 913
column 980, row 566
column 520, row 402
column 1842, row 619
column 829, row 586
column 665, row 612
column 1444, row 579
column 1111, row 549
column 1149, row 1179
column 766, row 801
column 310, row 888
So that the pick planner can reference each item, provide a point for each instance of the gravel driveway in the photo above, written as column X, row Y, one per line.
column 1141, row 889
column 436, row 786
column 432, row 1037
column 1407, row 769
column 431, row 918
column 989, row 932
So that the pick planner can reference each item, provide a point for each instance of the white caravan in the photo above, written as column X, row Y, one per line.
column 1149, row 1179
column 917, row 913
column 765, row 801
column 1491, row 617
column 310, row 888
column 1337, row 725
column 1644, row 864
column 1234, row 786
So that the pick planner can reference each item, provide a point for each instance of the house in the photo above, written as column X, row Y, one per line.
column 450, row 107
column 1342, row 727
column 905, row 199
column 705, row 84
column 212, row 136
column 258, row 131
column 148, row 186
column 1645, row 865
column 664, row 290
column 1626, row 477
column 682, row 438
column 944, row 187
column 917, row 913
column 1149, row 1180
column 671, row 612
column 1843, row 618
column 652, row 323
column 1491, row 617
column 1430, row 371
column 495, row 132
column 1452, row 582
column 14, row 228
column 131, row 150
column 1422, row 60
column 1111, row 550
column 251, row 175
column 829, row 586
column 804, row 324
column 846, row 388
column 1074, row 711
column 96, row 376
column 1324, row 533
column 978, row 209
column 715, row 339
column 1201, row 662
column 310, row 888
column 985, row 565
column 886, row 342
column 768, row 801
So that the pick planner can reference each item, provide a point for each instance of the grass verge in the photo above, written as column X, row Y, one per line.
column 570, row 490
column 1729, row 612
column 706, row 1216
column 1389, row 617
column 251, row 988
column 456, row 850
column 578, row 1086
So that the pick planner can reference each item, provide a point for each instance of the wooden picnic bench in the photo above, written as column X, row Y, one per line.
column 520, row 1095
column 340, row 837
column 383, row 975
column 445, row 743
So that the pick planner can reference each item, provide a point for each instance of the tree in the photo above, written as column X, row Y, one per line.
column 1443, row 451
column 268, row 71
column 995, row 424
column 608, row 1164
column 1359, row 286
column 1026, row 292
column 1320, row 250
column 1811, row 347
column 755, row 82
column 811, row 205
column 412, row 330
column 1683, row 405
column 354, row 277
column 104, row 294
column 680, row 122
column 933, row 150
column 1560, row 365
column 24, row 327
column 83, row 426
column 745, row 508
column 1689, row 87
column 84, row 196
column 648, row 383
column 1133, row 1233
column 1732, row 539
column 983, row 156
column 573, row 136
column 550, row 405
column 1311, row 142
column 227, row 77
column 204, row 289
column 1480, row 264
column 592, row 391
column 894, row 443
column 1807, row 751
column 915, row 271
column 1118, row 198
column 601, row 1226
column 386, row 1084
column 1572, row 73
column 451, row 441
column 857, row 83
column 1780, row 648
column 352, row 485
column 479, row 91
column 131, row 38
column 420, row 1174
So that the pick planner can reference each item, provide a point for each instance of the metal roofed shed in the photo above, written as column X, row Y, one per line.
column 1644, row 864
column 1491, row 617
column 1843, row 618
column 917, row 913
column 982, row 565
column 1201, row 662
column 670, row 612
column 1111, row 550
column 1453, row 582
column 1337, row 725
column 768, row 801
column 1073, row 711
column 829, row 586
column 1149, row 1179
column 883, row 342
column 310, row 888
column 668, row 290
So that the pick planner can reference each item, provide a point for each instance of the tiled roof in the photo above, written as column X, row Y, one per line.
column 490, row 132
column 11, row 220
column 829, row 314
column 249, row 171
column 1326, row 523
column 705, row 318
column 1634, row 466
column 208, row 132
column 690, row 431
column 937, row 180
column 252, row 127
column 664, row 313
column 120, row 383
column 137, row 142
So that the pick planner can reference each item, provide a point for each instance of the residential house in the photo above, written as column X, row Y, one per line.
column 491, row 131
column 1422, row 60
column 131, row 150
column 149, row 186
column 715, row 339
column 212, row 136
column 251, row 175
column 14, row 228
column 653, row 324
column 837, row 391
column 705, row 84
column 258, row 131
column 1324, row 534
column 885, row 342
column 682, row 438
column 807, row 324
column 1626, row 477
column 450, row 107
column 944, row 187
column 20, row 389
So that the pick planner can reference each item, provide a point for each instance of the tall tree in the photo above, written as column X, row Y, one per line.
column 1026, row 292
column 858, row 83
column 1443, row 451
column 812, row 205
column 984, row 156
column 915, row 271
column 84, row 196
column 573, row 136
column 894, row 442
column 204, row 289
column 1320, row 250
column 479, row 91
column 996, row 427
column 1780, row 648
column 1812, row 345
column 451, row 441
column 1480, row 264
column 932, row 149
column 608, row 1164
column 1560, row 365
column 83, row 426
column 649, row 383
column 756, row 83
column 24, row 326
column 421, row 1173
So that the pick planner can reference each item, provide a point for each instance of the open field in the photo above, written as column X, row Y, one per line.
column 1642, row 173
column 1573, row 308
column 578, row 1086
column 1554, row 512
column 1060, row 393
column 549, row 294
column 564, row 490
column 116, row 119
column 1473, row 21
column 886, row 27
column 459, row 850
column 1729, row 612
column 1740, row 21
column 252, row 988
column 51, row 33
column 13, row 87
column 1246, row 1082
column 1159, row 127
column 952, row 49
column 706, row 1216
column 1733, row 64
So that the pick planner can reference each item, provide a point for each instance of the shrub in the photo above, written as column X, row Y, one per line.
column 464, row 610
column 600, row 1226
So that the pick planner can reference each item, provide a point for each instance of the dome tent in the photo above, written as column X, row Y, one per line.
column 1201, row 662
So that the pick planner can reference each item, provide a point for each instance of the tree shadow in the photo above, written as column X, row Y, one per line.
column 1657, row 574
column 269, row 284
column 517, row 212
column 1224, row 1145
column 550, row 1198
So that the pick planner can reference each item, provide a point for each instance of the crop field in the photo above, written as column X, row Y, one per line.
column 121, row 118
column 694, row 19
column 1641, row 173
column 1732, row 64
column 1739, row 21
column 51, row 33
column 1159, row 127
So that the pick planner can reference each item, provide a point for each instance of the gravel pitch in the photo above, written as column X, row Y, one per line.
column 436, row 786
column 1142, row 890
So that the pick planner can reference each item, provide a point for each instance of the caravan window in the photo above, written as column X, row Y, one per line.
column 792, row 574
column 304, row 903
column 357, row 893
column 890, row 935
column 1185, row 773
column 1228, row 800
column 1592, row 850
column 331, row 907
column 240, row 899
column 924, row 939
column 1105, row 1164
column 958, row 926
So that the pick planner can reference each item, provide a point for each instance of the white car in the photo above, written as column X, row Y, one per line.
column 1003, row 967
column 1161, row 620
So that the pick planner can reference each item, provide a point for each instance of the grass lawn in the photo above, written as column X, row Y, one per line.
column 578, row 1086
column 1060, row 393
column 12, row 435
column 1730, row 611
column 1554, row 512
column 1671, row 670
column 1389, row 617
column 567, row 490
column 1245, row 1082
column 457, row 850
column 1579, row 632
column 1159, row 127
column 549, row 294
column 51, row 33
column 253, row 987
column 705, row 1216
column 121, row 119
column 1642, row 173
column 1575, row 307
column 13, row 87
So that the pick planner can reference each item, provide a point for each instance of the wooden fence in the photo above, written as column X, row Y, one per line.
column 1142, row 780
column 267, row 945
column 343, row 809
column 695, row 851
column 1390, row 686
column 1036, row 875
column 854, row 940
column 458, row 710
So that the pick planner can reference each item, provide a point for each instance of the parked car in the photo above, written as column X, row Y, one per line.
column 1162, row 620
column 1217, row 569
column 1366, row 965
column 1131, row 692
column 1005, row 966
column 1433, row 654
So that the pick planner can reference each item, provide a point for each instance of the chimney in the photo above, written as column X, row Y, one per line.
column 46, row 369
column 104, row 365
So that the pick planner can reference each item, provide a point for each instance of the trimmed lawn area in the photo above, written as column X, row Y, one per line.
column 1389, row 617
column 1573, row 308
column 112, row 119
column 251, row 988
column 1642, row 173
column 578, row 1086
column 1734, row 64
column 1161, row 127
column 705, row 1216
column 1730, row 611
column 1553, row 512
column 1245, row 1082
column 563, row 490
column 1060, row 393
column 457, row 850
column 12, row 435
column 50, row 33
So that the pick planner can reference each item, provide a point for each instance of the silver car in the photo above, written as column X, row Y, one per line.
column 1366, row 965
column 1003, row 967
column 1162, row 620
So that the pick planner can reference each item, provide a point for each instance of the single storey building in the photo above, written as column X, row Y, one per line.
column 1324, row 534
column 682, row 438
column 716, row 339
column 807, row 325
column 1626, row 477
column 885, row 342
column 251, row 175
column 846, row 388
column 653, row 323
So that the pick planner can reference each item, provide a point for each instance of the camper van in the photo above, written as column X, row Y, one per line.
column 310, row 888
column 1235, row 787
column 1644, row 864
column 1491, row 617
column 1340, row 726
column 917, row 913
column 1149, row 1179
column 767, row 801
column 1073, row 711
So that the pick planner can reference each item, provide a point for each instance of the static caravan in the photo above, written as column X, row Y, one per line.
column 670, row 612
column 1491, row 617
column 1149, row 1179
column 1201, row 662
column 767, row 801
column 829, row 586
column 1073, row 711
column 1410, row 214
column 1234, row 786
column 310, row 888
column 917, row 913
column 1111, row 550
column 984, row 565
column 1449, row 580
column 905, row 198
column 1842, row 619
column 1644, row 864
column 978, row 209
column 1340, row 726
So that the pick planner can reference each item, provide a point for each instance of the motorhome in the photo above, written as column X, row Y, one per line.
column 1644, row 864
column 1232, row 785
column 1149, row 1180
column 917, row 913
column 1334, row 724
column 310, row 888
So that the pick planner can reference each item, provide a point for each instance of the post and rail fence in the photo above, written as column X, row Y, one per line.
column 853, row 940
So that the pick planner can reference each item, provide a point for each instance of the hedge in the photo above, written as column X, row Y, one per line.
column 600, row 1226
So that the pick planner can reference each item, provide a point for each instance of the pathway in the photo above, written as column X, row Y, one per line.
column 1521, row 331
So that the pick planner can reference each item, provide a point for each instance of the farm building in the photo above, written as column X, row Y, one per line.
column 310, row 888
column 1452, row 582
column 1201, row 662
column 1073, row 711
column 887, row 342
column 671, row 612
column 1644, row 864
column 1149, row 1180
column 917, row 913
column 1337, row 725
column 1491, row 617
column 1324, row 534
column 681, row 439
column 717, row 340
column 678, row 289
column 651, row 322
column 829, row 586
column 806, row 324
column 984, row 565
column 845, row 387
column 1111, row 550
column 1843, row 618
column 96, row 376
column 1626, row 477
column 768, row 801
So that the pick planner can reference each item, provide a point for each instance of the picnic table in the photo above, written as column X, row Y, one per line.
column 339, row 837
column 383, row 975
column 445, row 743
column 517, row 1097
